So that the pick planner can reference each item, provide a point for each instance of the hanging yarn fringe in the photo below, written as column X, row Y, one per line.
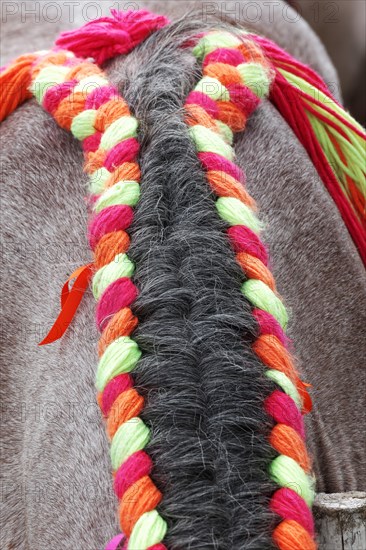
column 107, row 37
column 334, row 141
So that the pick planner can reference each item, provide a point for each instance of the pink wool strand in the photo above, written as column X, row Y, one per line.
column 284, row 411
column 114, row 218
column 244, row 239
column 289, row 505
column 118, row 295
column 134, row 468
column 113, row 389
column 107, row 37
column 268, row 325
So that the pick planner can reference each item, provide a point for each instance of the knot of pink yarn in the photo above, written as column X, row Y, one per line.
column 108, row 37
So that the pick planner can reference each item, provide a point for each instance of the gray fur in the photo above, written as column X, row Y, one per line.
column 56, row 487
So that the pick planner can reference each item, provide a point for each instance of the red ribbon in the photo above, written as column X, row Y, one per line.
column 70, row 301
column 307, row 404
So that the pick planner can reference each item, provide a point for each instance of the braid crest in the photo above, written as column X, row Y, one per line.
column 240, row 65
column 81, row 99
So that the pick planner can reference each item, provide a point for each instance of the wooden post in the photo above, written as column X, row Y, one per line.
column 340, row 520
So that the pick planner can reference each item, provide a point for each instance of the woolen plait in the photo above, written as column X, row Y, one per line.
column 90, row 108
column 233, row 61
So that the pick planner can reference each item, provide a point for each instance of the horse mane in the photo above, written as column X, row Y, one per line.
column 202, row 400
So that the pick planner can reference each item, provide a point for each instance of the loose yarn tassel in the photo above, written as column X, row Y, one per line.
column 107, row 37
column 334, row 141
column 14, row 83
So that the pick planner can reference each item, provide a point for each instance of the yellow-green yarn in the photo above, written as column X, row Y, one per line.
column 353, row 149
column 214, row 40
column 98, row 180
column 226, row 132
column 255, row 77
column 47, row 78
column 262, row 297
column 121, row 356
column 121, row 129
column 90, row 83
column 355, row 168
column 121, row 266
column 304, row 85
column 82, row 125
column 287, row 473
column 131, row 436
column 235, row 212
column 148, row 530
column 123, row 192
column 213, row 88
column 285, row 383
column 207, row 141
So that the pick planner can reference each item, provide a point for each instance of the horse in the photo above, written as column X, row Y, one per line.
column 195, row 329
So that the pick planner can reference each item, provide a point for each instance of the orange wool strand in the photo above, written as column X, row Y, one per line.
column 123, row 323
column 231, row 115
column 290, row 535
column 288, row 442
column 307, row 403
column 140, row 498
column 225, row 185
column 226, row 74
column 83, row 70
column 128, row 405
column 252, row 53
column 68, row 108
column 109, row 246
column 94, row 160
column 273, row 354
column 195, row 114
column 111, row 111
column 255, row 269
column 127, row 171
column 14, row 84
